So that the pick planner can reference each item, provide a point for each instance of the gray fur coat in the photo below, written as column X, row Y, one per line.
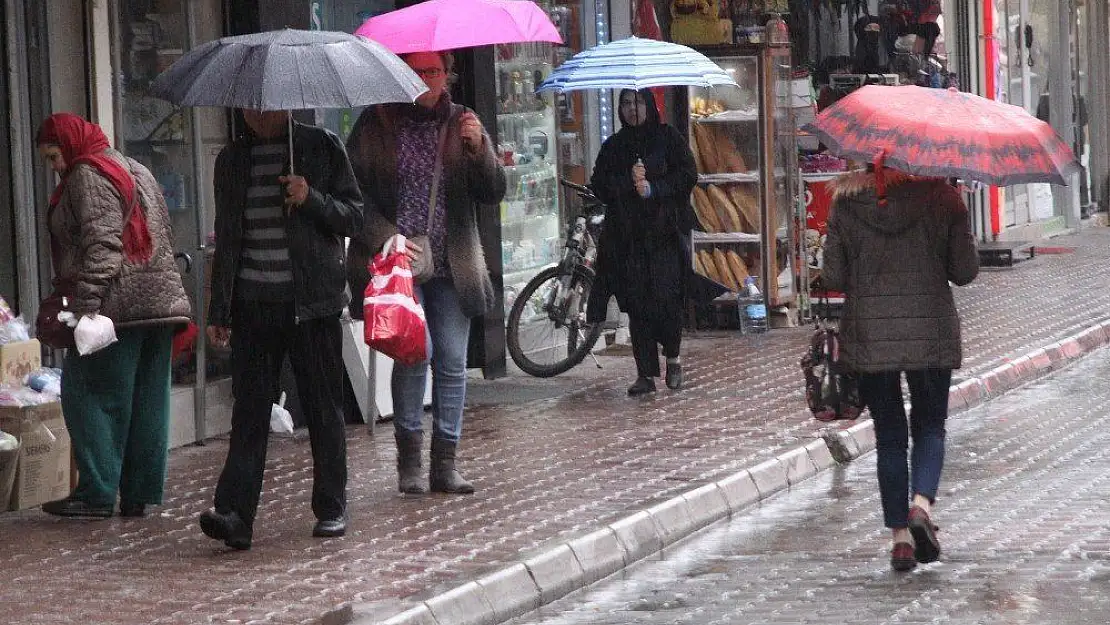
column 470, row 182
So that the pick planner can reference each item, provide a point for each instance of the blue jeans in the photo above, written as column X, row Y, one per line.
column 448, row 336
column 882, row 392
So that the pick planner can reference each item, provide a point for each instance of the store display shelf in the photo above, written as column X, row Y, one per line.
column 751, row 176
column 724, row 237
column 729, row 116
column 533, row 167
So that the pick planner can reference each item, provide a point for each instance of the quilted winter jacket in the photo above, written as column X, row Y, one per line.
column 86, row 230
column 469, row 182
column 894, row 264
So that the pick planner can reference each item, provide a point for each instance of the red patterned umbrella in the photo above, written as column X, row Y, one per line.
column 944, row 132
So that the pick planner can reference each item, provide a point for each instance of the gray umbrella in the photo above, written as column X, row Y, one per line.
column 289, row 70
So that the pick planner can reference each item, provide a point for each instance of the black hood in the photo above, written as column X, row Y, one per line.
column 652, row 110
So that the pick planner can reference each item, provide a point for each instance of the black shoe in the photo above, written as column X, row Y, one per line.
column 674, row 376
column 135, row 510
column 642, row 386
column 226, row 527
column 70, row 507
column 330, row 528
column 926, row 547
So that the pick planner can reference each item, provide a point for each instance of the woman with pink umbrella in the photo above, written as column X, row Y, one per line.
column 426, row 169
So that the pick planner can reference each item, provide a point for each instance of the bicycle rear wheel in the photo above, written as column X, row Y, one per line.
column 547, row 329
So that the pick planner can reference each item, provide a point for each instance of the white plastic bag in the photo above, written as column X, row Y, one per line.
column 281, row 422
column 93, row 333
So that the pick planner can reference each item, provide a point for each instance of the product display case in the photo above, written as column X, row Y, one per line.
column 527, row 131
column 744, row 144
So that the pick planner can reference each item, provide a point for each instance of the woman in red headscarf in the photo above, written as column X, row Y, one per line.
column 112, row 251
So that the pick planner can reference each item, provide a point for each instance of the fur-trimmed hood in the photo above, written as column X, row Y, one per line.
column 906, row 198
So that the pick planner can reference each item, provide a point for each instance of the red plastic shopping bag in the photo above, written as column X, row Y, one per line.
column 394, row 321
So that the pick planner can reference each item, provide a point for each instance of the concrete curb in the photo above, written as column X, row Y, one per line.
column 577, row 563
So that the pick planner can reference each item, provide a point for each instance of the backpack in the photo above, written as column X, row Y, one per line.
column 832, row 390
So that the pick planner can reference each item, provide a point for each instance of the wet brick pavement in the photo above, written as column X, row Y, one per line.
column 547, row 469
column 1024, row 533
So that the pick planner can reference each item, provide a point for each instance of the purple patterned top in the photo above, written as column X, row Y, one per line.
column 417, row 142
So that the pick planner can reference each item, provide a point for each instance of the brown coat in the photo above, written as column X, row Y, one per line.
column 894, row 264
column 86, row 229
column 470, row 183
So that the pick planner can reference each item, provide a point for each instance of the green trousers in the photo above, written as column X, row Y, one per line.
column 117, row 408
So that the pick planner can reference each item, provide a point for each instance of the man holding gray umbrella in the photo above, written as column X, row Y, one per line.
column 278, row 287
column 285, row 199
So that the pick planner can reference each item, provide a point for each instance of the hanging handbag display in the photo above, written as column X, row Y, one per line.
column 832, row 389
column 424, row 265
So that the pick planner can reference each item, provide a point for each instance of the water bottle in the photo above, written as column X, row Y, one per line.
column 753, row 312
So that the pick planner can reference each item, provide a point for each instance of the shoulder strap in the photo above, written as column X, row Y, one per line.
column 434, row 193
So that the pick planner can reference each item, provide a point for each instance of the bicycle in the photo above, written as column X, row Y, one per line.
column 547, row 331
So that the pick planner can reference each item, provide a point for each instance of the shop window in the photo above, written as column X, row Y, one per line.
column 152, row 34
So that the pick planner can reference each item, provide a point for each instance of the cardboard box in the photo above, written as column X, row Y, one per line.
column 17, row 360
column 42, row 472
column 8, row 462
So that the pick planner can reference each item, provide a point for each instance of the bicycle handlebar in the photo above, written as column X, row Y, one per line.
column 577, row 187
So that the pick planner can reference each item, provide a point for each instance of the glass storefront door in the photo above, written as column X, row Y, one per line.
column 1022, row 31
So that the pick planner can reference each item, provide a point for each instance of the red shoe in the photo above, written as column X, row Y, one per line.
column 926, row 546
column 902, row 558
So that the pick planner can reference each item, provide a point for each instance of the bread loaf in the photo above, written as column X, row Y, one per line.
column 724, row 209
column 747, row 205
column 706, row 147
column 709, row 265
column 722, row 268
column 736, row 264
column 698, row 160
column 703, row 208
column 728, row 157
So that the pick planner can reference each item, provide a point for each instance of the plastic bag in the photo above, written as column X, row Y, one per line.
column 93, row 333
column 394, row 321
column 281, row 422
column 47, row 380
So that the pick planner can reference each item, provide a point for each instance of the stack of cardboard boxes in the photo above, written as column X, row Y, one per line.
column 39, row 470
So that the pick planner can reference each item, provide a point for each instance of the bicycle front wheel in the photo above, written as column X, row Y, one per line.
column 547, row 330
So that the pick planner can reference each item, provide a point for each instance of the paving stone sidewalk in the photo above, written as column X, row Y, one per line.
column 547, row 469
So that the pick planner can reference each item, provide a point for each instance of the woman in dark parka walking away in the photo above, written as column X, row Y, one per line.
column 645, row 174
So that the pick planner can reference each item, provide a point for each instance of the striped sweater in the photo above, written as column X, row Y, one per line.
column 265, row 271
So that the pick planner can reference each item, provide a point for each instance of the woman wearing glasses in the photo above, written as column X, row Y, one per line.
column 425, row 169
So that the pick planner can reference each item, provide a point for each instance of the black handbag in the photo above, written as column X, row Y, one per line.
column 832, row 389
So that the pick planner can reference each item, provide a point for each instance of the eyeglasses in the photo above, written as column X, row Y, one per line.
column 429, row 72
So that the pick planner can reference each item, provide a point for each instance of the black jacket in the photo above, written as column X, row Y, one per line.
column 642, row 255
column 315, row 229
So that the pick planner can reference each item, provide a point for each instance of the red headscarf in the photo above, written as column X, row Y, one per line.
column 81, row 141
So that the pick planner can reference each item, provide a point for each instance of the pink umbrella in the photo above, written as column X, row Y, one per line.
column 449, row 24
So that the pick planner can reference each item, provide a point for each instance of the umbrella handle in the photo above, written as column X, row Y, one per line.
column 289, row 117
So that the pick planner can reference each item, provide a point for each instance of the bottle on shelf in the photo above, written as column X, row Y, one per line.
column 751, row 308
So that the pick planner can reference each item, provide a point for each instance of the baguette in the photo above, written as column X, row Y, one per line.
column 707, row 148
column 728, row 157
column 703, row 208
column 739, row 269
column 722, row 268
column 709, row 266
column 699, row 265
column 698, row 160
column 724, row 209
column 747, row 206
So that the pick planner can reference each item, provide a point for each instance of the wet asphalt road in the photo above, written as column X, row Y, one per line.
column 1024, row 510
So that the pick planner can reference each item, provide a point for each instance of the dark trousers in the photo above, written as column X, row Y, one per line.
column 648, row 332
column 882, row 392
column 261, row 334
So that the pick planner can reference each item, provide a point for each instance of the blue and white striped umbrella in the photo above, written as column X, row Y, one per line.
column 636, row 63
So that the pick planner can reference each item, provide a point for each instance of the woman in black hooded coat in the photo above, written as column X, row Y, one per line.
column 645, row 174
